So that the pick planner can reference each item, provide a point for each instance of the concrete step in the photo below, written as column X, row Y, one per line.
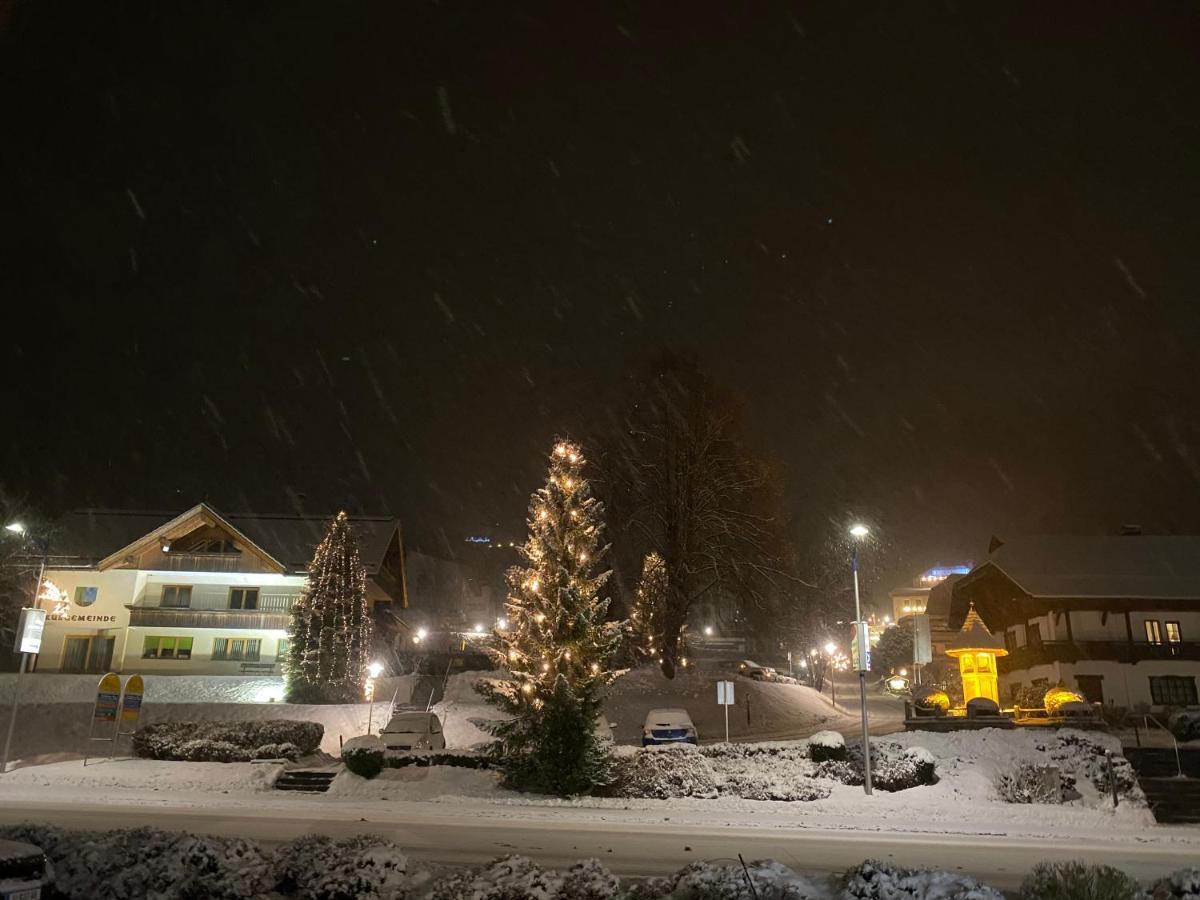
column 1173, row 800
column 1160, row 762
column 316, row 782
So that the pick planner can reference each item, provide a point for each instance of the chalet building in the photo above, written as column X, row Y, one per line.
column 194, row 593
column 1115, row 618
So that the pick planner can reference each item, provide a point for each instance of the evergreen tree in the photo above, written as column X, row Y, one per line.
column 329, row 639
column 557, row 644
column 646, row 619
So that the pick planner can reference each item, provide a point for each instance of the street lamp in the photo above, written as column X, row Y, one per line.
column 373, row 672
column 858, row 532
column 708, row 631
column 830, row 649
column 15, row 527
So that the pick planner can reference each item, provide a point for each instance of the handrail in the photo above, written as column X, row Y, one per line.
column 445, row 681
column 1146, row 720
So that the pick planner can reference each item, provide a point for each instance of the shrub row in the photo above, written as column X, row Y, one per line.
column 1075, row 756
column 228, row 741
column 367, row 756
column 146, row 862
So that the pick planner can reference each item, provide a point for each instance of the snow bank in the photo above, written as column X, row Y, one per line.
column 464, row 713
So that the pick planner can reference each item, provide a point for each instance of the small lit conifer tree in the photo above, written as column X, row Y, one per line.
column 646, row 618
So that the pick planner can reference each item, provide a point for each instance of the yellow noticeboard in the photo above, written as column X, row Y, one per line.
column 131, row 703
column 108, row 698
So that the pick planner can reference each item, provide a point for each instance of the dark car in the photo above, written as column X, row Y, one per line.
column 23, row 870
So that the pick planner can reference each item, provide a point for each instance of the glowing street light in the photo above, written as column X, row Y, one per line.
column 478, row 628
column 831, row 648
column 15, row 527
column 858, row 532
column 373, row 672
column 708, row 630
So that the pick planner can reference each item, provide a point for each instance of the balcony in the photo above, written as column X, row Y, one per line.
column 1048, row 652
column 197, row 562
column 209, row 608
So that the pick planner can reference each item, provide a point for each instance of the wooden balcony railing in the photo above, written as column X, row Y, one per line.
column 209, row 608
column 1048, row 652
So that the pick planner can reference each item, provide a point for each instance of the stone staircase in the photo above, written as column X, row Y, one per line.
column 1172, row 799
column 313, row 781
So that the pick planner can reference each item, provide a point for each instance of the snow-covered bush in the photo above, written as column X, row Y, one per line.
column 875, row 880
column 363, row 755
column 167, row 740
column 893, row 767
column 363, row 867
column 793, row 751
column 840, row 770
column 460, row 759
column 1080, row 756
column 764, row 784
column 1027, row 782
column 704, row 881
column 1078, row 881
column 277, row 751
column 826, row 745
column 145, row 862
column 672, row 770
column 518, row 878
column 1181, row 885
column 1185, row 724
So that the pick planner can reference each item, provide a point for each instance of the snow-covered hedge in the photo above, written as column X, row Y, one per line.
column 672, row 770
column 1077, row 881
column 1082, row 756
column 145, row 862
column 364, row 755
column 228, row 741
column 883, row 881
column 1181, row 885
column 317, row 867
column 704, row 881
column 459, row 759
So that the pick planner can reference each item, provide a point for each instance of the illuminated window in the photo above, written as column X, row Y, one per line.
column 1174, row 633
column 167, row 648
column 1153, row 631
column 246, row 649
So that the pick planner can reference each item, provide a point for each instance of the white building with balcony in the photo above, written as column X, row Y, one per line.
column 196, row 593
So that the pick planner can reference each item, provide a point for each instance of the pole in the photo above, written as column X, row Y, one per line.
column 832, row 686
column 916, row 665
column 12, row 716
column 862, row 678
column 727, row 720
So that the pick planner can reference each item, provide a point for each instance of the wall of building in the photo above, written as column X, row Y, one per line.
column 108, row 616
column 1123, row 684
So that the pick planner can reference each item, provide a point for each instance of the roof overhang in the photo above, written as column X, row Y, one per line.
column 185, row 523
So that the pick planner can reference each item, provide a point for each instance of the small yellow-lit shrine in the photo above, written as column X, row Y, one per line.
column 976, row 650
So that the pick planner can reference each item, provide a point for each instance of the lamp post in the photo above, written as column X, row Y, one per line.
column 44, row 545
column 373, row 671
column 858, row 532
column 830, row 649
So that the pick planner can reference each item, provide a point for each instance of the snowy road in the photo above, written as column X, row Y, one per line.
column 466, row 834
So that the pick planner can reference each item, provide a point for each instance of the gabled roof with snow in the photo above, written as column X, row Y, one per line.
column 1126, row 566
column 90, row 537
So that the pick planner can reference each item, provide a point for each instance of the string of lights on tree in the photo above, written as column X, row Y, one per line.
column 330, row 632
column 557, row 644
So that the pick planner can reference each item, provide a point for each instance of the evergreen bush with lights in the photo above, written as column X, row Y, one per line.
column 646, row 618
column 329, row 638
column 557, row 644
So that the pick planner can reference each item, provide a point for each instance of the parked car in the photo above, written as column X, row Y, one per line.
column 414, row 731
column 751, row 669
column 668, row 726
column 23, row 871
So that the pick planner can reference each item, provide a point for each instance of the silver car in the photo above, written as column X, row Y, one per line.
column 414, row 731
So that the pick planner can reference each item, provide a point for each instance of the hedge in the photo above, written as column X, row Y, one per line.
column 228, row 741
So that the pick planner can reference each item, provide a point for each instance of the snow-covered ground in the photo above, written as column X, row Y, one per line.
column 964, row 801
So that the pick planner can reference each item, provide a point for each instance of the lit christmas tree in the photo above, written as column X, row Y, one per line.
column 329, row 639
column 557, row 644
column 646, row 619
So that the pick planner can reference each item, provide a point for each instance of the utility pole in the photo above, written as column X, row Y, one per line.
column 864, row 650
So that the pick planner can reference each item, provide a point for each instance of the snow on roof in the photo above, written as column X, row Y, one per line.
column 87, row 536
column 1125, row 566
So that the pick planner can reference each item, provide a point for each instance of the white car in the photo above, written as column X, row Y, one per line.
column 668, row 726
column 414, row 731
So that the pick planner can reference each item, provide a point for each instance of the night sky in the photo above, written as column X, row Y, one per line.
column 376, row 255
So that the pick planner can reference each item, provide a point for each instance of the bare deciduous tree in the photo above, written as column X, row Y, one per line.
column 683, row 484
